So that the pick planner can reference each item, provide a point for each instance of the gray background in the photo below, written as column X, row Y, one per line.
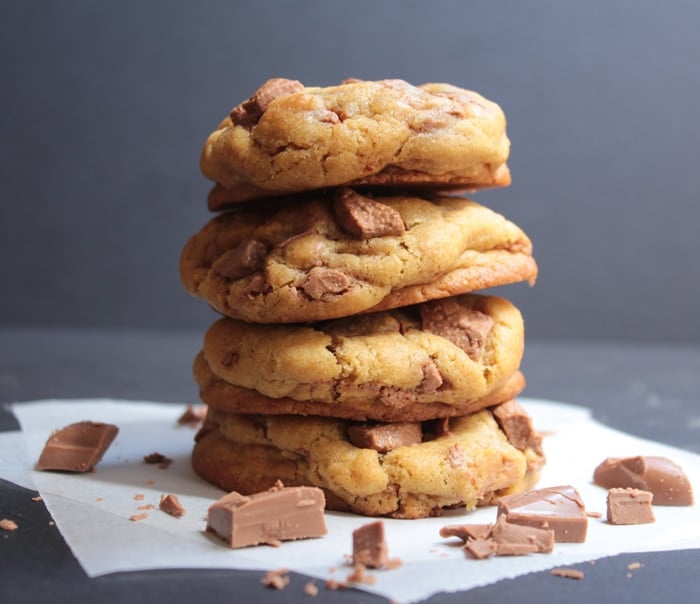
column 105, row 106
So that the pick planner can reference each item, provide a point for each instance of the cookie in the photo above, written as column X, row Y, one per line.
column 219, row 394
column 466, row 463
column 288, row 138
column 340, row 254
column 449, row 351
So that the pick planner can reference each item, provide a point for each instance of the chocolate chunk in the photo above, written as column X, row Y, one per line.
column 630, row 506
column 77, row 448
column 369, row 547
column 567, row 573
column 170, row 504
column 248, row 113
column 455, row 456
column 464, row 327
column 245, row 259
column 364, row 217
column 558, row 508
column 517, row 425
column 480, row 549
column 659, row 475
column 385, row 437
column 432, row 378
column 276, row 515
column 161, row 460
column 192, row 416
column 321, row 283
column 513, row 539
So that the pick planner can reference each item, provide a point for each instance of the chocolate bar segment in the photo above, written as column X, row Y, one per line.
column 278, row 514
column 558, row 508
column 630, row 506
column 77, row 448
column 385, row 437
column 658, row 475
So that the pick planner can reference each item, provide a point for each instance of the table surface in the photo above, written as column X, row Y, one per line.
column 646, row 390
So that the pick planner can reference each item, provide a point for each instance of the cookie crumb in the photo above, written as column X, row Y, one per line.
column 634, row 565
column 567, row 573
column 334, row 585
column 145, row 506
column 37, row 498
column 310, row 589
column 137, row 517
column 359, row 575
column 193, row 416
column 99, row 499
column 276, row 579
column 8, row 525
column 170, row 504
column 139, row 497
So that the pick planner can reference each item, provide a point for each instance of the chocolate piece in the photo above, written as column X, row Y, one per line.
column 517, row 425
column 77, row 448
column 193, row 416
column 567, row 573
column 464, row 327
column 466, row 531
column 321, row 283
column 659, row 475
column 630, row 506
column 276, row 579
column 245, row 259
column 480, row 549
column 515, row 539
column 8, row 525
column 170, row 504
column 158, row 458
column 368, row 545
column 385, row 437
column 558, row 508
column 249, row 112
column 364, row 217
column 276, row 515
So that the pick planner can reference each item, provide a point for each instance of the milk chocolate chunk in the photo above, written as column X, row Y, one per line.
column 659, row 475
column 466, row 531
column 249, row 112
column 480, row 548
column 464, row 327
column 170, row 504
column 630, row 506
column 517, row 426
column 385, row 437
column 321, row 283
column 558, row 508
column 363, row 217
column 77, row 448
column 515, row 539
column 245, row 259
column 369, row 546
column 278, row 514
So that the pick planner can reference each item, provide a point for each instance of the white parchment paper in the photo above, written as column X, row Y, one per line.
column 92, row 510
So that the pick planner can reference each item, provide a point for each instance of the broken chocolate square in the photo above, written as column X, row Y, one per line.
column 369, row 547
column 558, row 508
column 77, row 448
column 385, row 437
column 278, row 514
column 658, row 475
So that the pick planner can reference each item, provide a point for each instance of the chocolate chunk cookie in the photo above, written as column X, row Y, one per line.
column 469, row 464
column 288, row 138
column 327, row 256
column 450, row 351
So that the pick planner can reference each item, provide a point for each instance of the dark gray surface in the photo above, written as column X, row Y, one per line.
column 105, row 107
column 650, row 391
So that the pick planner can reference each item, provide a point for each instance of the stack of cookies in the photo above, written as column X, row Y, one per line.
column 352, row 354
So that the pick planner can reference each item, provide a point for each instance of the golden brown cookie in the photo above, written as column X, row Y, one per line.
column 466, row 463
column 453, row 351
column 328, row 256
column 288, row 138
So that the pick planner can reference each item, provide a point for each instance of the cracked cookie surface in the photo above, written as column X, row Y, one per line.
column 450, row 351
column 306, row 260
column 289, row 138
column 470, row 463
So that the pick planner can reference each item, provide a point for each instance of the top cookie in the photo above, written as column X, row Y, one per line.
column 289, row 138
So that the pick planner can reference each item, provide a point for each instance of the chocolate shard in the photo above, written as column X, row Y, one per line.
column 658, row 475
column 480, row 549
column 78, row 447
column 364, row 217
column 558, row 508
column 369, row 547
column 630, row 506
column 278, row 514
column 466, row 531
column 249, row 112
column 385, row 437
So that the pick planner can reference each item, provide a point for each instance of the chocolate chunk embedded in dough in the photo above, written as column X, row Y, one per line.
column 385, row 437
column 364, row 217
